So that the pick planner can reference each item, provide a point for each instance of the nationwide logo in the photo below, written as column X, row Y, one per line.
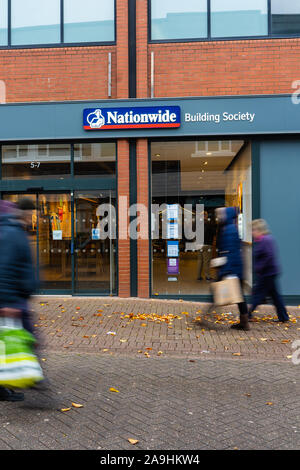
column 150, row 117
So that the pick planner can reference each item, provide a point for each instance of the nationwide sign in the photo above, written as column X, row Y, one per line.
column 150, row 117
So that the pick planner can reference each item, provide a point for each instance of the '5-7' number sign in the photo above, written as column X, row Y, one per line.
column 35, row 164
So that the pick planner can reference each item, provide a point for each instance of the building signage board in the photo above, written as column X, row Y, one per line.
column 150, row 117
column 134, row 118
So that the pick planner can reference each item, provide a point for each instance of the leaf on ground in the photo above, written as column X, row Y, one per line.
column 77, row 405
column 237, row 354
column 133, row 441
column 269, row 403
column 65, row 409
column 112, row 389
column 123, row 340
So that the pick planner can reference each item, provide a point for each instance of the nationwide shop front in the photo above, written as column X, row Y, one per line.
column 204, row 153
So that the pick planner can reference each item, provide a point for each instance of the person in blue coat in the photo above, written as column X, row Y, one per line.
column 230, row 248
column 17, row 273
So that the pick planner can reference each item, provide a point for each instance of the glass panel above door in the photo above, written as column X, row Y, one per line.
column 94, row 160
column 47, row 161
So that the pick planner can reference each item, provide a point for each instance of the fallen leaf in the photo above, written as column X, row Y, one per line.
column 123, row 340
column 77, row 405
column 65, row 409
column 113, row 333
column 104, row 350
column 237, row 354
column 285, row 341
column 248, row 394
column 149, row 349
column 113, row 390
column 77, row 308
column 289, row 357
column 269, row 403
column 159, row 353
column 133, row 441
column 264, row 339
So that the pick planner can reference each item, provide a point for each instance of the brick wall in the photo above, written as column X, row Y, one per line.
column 57, row 74
column 226, row 67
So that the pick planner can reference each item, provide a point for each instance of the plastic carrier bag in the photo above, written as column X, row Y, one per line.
column 19, row 366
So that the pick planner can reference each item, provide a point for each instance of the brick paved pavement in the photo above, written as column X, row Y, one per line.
column 182, row 399
column 168, row 327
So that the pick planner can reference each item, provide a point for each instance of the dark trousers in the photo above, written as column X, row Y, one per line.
column 243, row 308
column 267, row 287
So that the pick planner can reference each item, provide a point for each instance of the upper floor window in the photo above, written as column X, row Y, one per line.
column 285, row 17
column 88, row 20
column 42, row 22
column 3, row 22
column 239, row 18
column 35, row 22
column 176, row 20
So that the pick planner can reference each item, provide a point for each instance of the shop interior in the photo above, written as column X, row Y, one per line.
column 84, row 260
column 210, row 173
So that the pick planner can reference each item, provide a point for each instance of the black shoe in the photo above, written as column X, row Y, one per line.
column 10, row 395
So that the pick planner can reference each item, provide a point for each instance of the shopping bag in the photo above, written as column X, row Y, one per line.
column 227, row 292
column 19, row 366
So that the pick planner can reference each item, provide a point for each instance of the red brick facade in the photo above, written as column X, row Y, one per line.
column 238, row 67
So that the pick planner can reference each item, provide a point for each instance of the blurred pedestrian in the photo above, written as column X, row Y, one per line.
column 229, row 247
column 267, row 270
column 17, row 273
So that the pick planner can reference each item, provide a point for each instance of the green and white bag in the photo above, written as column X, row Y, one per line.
column 19, row 366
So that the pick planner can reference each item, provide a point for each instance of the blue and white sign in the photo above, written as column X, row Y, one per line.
column 172, row 249
column 150, row 117
column 95, row 234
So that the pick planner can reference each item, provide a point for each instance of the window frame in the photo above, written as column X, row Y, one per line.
column 60, row 44
column 209, row 38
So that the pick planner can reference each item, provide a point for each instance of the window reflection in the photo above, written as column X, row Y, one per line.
column 88, row 21
column 236, row 18
column 190, row 179
column 35, row 21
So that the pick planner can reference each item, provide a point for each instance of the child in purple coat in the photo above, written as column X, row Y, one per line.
column 267, row 269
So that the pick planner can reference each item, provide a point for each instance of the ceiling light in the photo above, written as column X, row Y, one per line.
column 205, row 163
column 157, row 155
column 208, row 153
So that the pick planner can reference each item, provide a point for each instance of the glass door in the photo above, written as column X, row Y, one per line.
column 73, row 240
column 94, row 242
column 50, row 238
column 54, row 241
